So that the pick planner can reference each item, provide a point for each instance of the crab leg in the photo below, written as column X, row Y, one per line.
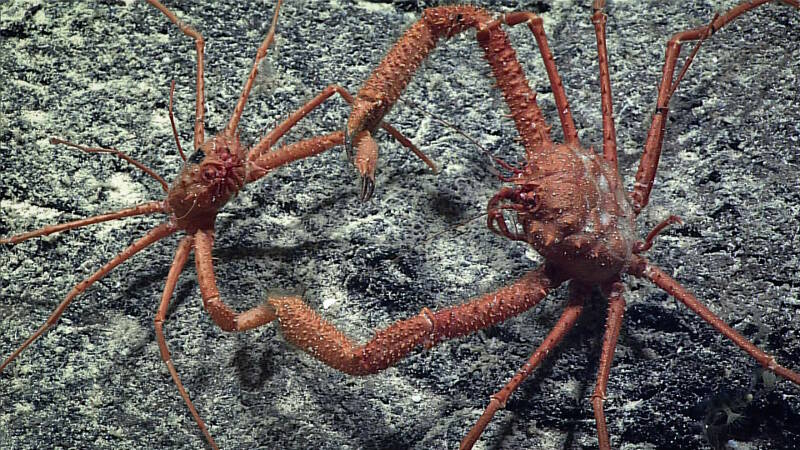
column 536, row 26
column 642, row 268
column 273, row 136
column 222, row 314
column 151, row 237
column 262, row 148
column 172, row 121
column 616, row 309
column 303, row 327
column 646, row 173
column 261, row 53
column 199, row 43
column 178, row 263
column 606, row 104
column 138, row 210
column 118, row 154
column 288, row 153
column 498, row 401
column 391, row 77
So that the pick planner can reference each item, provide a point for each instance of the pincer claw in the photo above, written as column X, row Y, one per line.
column 367, row 188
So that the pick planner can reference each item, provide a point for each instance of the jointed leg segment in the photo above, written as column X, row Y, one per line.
column 222, row 314
column 390, row 78
column 298, row 150
column 303, row 327
column 178, row 263
column 498, row 401
column 118, row 154
column 643, row 269
column 139, row 210
column 151, row 237
column 263, row 158
column 616, row 309
column 648, row 165
column 536, row 26
column 609, row 132
column 248, row 85
column 200, row 102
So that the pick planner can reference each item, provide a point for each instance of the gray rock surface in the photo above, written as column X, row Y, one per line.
column 98, row 73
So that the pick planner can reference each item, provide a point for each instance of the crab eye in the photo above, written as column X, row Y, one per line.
column 196, row 157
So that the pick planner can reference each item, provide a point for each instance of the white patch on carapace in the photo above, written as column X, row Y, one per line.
column 588, row 226
column 587, row 158
column 605, row 218
column 602, row 184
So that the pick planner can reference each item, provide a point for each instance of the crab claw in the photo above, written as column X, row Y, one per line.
column 367, row 188
column 366, row 160
column 495, row 219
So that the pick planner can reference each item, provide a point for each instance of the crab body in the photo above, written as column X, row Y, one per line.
column 210, row 178
column 590, row 243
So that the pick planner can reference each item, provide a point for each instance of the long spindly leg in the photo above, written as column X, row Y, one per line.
column 616, row 309
column 557, row 333
column 609, row 133
column 646, row 173
column 642, row 268
column 199, row 43
column 139, row 210
column 303, row 327
column 248, row 85
column 172, row 121
column 221, row 313
column 178, row 263
column 152, row 236
column 288, row 153
column 265, row 144
column 262, row 148
column 536, row 26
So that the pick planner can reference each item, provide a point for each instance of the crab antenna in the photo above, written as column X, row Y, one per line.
column 172, row 120
column 262, row 52
column 118, row 154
